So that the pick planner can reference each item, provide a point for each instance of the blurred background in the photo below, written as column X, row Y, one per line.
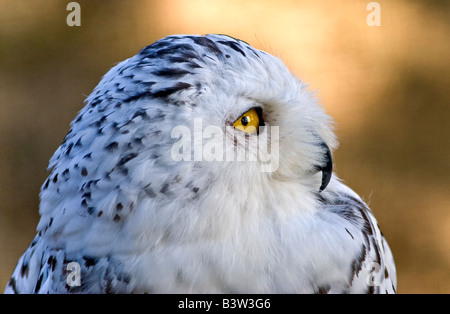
column 387, row 87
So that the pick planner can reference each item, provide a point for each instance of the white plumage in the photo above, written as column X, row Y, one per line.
column 134, row 219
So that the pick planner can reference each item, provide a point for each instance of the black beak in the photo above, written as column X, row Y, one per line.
column 327, row 168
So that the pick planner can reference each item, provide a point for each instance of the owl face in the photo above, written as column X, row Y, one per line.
column 215, row 93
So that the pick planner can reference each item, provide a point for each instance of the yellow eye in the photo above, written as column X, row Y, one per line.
column 250, row 121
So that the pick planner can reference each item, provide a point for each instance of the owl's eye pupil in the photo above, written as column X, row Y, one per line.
column 244, row 120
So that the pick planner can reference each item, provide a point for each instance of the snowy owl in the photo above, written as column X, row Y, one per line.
column 201, row 165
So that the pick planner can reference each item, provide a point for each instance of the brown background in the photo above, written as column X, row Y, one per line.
column 387, row 88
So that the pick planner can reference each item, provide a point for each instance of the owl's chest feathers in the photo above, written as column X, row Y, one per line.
column 230, row 244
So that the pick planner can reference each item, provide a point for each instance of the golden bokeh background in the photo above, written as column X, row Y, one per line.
column 386, row 86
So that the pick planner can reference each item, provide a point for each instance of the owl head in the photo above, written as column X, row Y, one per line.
column 186, row 120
